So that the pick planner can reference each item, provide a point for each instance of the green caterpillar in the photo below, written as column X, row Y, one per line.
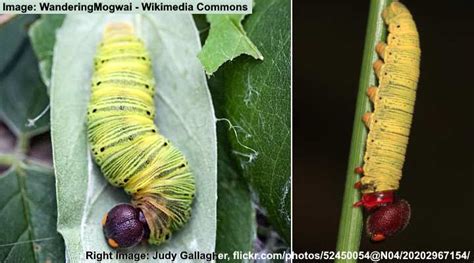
column 129, row 149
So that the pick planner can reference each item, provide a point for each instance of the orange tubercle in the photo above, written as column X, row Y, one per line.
column 378, row 66
column 112, row 243
column 380, row 48
column 372, row 92
column 366, row 118
column 378, row 237
column 104, row 219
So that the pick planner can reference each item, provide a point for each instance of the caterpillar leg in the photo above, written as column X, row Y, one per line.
column 380, row 49
column 358, row 185
column 359, row 170
column 374, row 200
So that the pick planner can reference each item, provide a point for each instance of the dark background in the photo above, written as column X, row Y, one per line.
column 328, row 45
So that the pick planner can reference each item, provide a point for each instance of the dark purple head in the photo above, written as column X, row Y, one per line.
column 124, row 226
column 388, row 220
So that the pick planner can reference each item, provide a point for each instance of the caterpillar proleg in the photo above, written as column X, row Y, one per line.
column 128, row 147
column 389, row 124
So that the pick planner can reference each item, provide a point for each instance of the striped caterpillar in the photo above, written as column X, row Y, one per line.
column 389, row 125
column 128, row 148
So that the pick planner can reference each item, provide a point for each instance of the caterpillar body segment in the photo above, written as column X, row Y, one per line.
column 393, row 101
column 389, row 124
column 128, row 147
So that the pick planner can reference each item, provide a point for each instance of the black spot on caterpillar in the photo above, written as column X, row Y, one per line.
column 120, row 125
column 389, row 124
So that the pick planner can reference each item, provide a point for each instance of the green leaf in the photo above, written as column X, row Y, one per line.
column 185, row 116
column 202, row 26
column 27, row 191
column 227, row 40
column 43, row 36
column 28, row 219
column 22, row 95
column 13, row 39
column 258, row 106
column 236, row 222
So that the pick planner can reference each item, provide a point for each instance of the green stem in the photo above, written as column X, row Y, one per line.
column 350, row 227
column 22, row 145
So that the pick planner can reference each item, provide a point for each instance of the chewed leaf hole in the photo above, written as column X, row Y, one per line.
column 3, row 168
column 40, row 148
column 7, row 139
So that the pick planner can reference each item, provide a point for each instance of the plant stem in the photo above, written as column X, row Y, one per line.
column 350, row 227
column 22, row 146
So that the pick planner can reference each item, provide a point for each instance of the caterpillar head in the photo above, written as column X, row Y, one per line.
column 387, row 220
column 125, row 226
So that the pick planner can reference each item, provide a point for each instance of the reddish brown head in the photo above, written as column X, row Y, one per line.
column 388, row 220
column 124, row 226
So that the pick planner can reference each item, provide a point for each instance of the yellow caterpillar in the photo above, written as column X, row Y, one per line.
column 389, row 123
column 129, row 149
